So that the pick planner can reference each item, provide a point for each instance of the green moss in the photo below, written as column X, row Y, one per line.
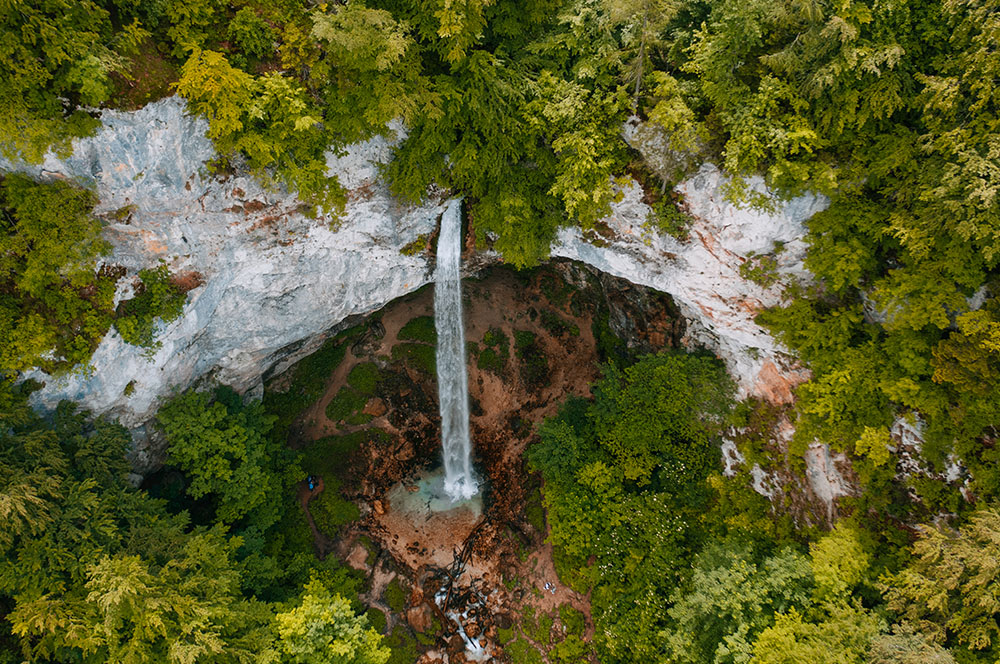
column 534, row 511
column 395, row 596
column 543, row 631
column 574, row 621
column 377, row 619
column 505, row 635
column 496, row 352
column 496, row 338
column 415, row 247
column 554, row 288
column 609, row 347
column 418, row 356
column 371, row 548
column 364, row 378
column 344, row 404
column 420, row 328
column 534, row 365
column 402, row 645
column 330, row 511
column 522, row 652
column 490, row 360
column 556, row 326
column 528, row 622
column 523, row 339
column 572, row 650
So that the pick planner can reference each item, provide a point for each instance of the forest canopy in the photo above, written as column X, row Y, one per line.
column 889, row 109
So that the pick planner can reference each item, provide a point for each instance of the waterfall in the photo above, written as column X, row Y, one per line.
column 453, row 381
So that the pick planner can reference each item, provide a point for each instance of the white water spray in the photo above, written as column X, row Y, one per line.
column 453, row 380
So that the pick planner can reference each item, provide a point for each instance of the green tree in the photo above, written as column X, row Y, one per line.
column 55, row 59
column 733, row 596
column 323, row 629
column 949, row 591
column 225, row 450
column 55, row 305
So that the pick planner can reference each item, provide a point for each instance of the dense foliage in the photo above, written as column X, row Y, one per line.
column 888, row 108
column 56, row 294
column 92, row 570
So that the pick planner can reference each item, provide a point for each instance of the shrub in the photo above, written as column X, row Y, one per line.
column 251, row 34
column 330, row 510
column 156, row 297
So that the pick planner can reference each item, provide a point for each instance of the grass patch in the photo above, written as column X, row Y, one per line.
column 543, row 632
column 402, row 645
column 377, row 619
column 395, row 596
column 329, row 457
column 534, row 511
column 523, row 339
column 418, row 356
column 346, row 404
column 573, row 620
column 307, row 380
column 330, row 510
column 490, row 360
column 496, row 352
column 522, row 652
column 364, row 378
column 420, row 328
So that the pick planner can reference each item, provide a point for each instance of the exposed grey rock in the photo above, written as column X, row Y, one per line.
column 273, row 278
column 702, row 273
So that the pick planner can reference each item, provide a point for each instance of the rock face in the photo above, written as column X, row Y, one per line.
column 274, row 280
column 703, row 273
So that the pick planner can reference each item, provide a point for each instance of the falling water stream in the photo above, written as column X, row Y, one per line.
column 453, row 381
